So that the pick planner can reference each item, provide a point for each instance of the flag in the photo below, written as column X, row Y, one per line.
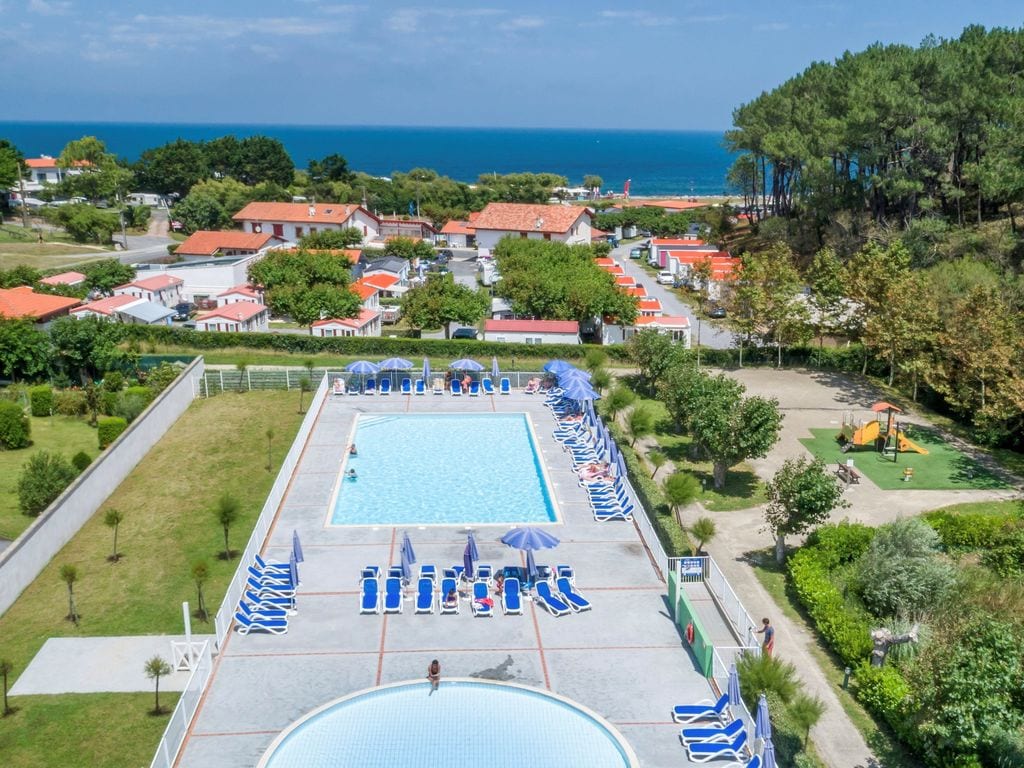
column 412, row 208
column 625, row 190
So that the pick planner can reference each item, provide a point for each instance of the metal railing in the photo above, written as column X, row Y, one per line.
column 730, row 605
column 218, row 380
column 177, row 727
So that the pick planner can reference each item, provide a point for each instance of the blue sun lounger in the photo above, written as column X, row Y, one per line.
column 487, row 385
column 271, row 579
column 544, row 596
column 575, row 600
column 624, row 512
column 456, row 387
column 702, row 751
column 481, row 593
column 385, row 387
column 274, row 590
column 247, row 625
column 505, row 385
column 393, row 595
column 425, row 595
column 448, row 584
column 261, row 613
column 703, row 710
column 406, row 386
column 270, row 601
column 474, row 388
column 369, row 596
column 728, row 733
column 272, row 567
column 420, row 387
column 512, row 597
column 371, row 387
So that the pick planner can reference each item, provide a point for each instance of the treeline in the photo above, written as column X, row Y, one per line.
column 890, row 135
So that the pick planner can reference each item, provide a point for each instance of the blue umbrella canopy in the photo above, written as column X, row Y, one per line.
column 406, row 564
column 473, row 551
column 407, row 548
column 527, row 537
column 362, row 366
column 494, row 367
column 531, row 567
column 768, row 756
column 734, row 686
column 426, row 369
column 620, row 464
column 465, row 364
column 293, row 570
column 395, row 364
column 762, row 722
column 557, row 366
column 467, row 562
column 572, row 373
column 297, row 547
column 579, row 390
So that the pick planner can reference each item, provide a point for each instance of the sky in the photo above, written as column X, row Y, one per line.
column 531, row 63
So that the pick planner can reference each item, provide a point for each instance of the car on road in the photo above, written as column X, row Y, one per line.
column 666, row 278
column 635, row 253
column 464, row 333
column 444, row 256
column 717, row 312
column 183, row 310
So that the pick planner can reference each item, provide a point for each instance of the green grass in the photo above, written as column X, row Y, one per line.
column 1011, row 507
column 100, row 730
column 943, row 468
column 64, row 434
column 886, row 747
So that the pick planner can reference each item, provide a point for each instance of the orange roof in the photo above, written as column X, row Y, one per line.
column 240, row 310
column 458, row 228
column 207, row 243
column 677, row 241
column 362, row 290
column 616, row 270
column 598, row 234
column 365, row 316
column 532, row 326
column 298, row 213
column 651, row 304
column 241, row 290
column 604, row 261
column 106, row 306
column 636, row 290
column 380, row 281
column 664, row 321
column 155, row 283
column 520, row 217
column 50, row 162
column 625, row 281
column 64, row 278
column 24, row 302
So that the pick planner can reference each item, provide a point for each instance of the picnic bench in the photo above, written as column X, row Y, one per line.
column 847, row 474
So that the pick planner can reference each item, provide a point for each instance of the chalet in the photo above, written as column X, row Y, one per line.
column 64, row 278
column 676, row 327
column 292, row 221
column 244, row 292
column 533, row 331
column 24, row 303
column 418, row 229
column 160, row 289
column 562, row 223
column 145, row 313
column 368, row 294
column 105, row 308
column 206, row 244
column 460, row 234
column 367, row 323
column 242, row 316
column 388, row 284
column 388, row 265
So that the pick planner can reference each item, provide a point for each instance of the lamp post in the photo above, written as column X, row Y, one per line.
column 698, row 340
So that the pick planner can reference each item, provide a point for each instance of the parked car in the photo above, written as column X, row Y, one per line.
column 443, row 256
column 464, row 333
column 666, row 278
column 717, row 312
column 635, row 253
column 183, row 310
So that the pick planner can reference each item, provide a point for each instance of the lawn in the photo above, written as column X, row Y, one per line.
column 100, row 730
column 64, row 434
column 943, row 468
column 48, row 256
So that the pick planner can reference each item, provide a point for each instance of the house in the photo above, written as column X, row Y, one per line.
column 292, row 221
column 205, row 243
column 368, row 294
column 388, row 265
column 106, row 307
column 64, row 278
column 419, row 229
column 677, row 327
column 501, row 309
column 649, row 307
column 533, row 331
column 242, row 316
column 204, row 280
column 562, row 223
column 244, row 292
column 44, row 170
column 24, row 303
column 160, row 289
column 144, row 313
column 367, row 323
column 388, row 284
column 460, row 234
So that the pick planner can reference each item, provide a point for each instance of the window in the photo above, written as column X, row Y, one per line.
column 298, row 232
column 547, row 235
column 279, row 230
column 312, row 230
column 532, row 340
column 523, row 235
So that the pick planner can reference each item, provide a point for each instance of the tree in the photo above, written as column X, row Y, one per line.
column 600, row 380
column 654, row 355
column 69, row 575
column 681, row 488
column 331, row 239
column 657, row 460
column 172, row 169
column 83, row 349
column 241, row 365
column 263, row 159
column 593, row 182
column 827, row 293
column 15, row 428
column 113, row 519
column 595, row 359
column 24, row 350
column 6, row 667
column 441, row 301
column 806, row 711
column 304, row 386
column 104, row 275
column 639, row 423
column 85, row 223
column 765, row 674
column 43, row 478
column 703, row 530
column 801, row 495
column 306, row 286
column 307, row 305
column 334, row 167
column 156, row 668
column 618, row 400
column 408, row 248
column 12, row 166
column 199, row 212
column 200, row 573
column 92, row 402
column 227, row 511
column 270, row 440
column 905, row 334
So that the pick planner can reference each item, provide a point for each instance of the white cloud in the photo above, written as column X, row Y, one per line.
column 410, row 20
column 639, row 18
column 183, row 31
column 49, row 7
column 709, row 19
column 772, row 26
column 522, row 22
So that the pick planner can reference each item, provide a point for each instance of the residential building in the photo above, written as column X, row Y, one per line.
column 44, row 170
column 24, row 303
column 292, row 221
column 105, row 307
column 244, row 292
column 388, row 265
column 242, row 316
column 160, row 289
column 460, row 234
column 64, row 278
column 419, row 229
column 368, row 294
column 533, row 331
column 388, row 284
column 206, row 244
column 367, row 323
column 204, row 280
column 562, row 223
column 675, row 326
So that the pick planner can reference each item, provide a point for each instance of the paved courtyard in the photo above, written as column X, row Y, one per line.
column 625, row 659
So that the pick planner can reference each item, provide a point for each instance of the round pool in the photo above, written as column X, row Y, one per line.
column 465, row 724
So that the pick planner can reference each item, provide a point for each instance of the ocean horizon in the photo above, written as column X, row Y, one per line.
column 656, row 162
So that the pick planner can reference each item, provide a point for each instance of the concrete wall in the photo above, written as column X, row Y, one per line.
column 22, row 561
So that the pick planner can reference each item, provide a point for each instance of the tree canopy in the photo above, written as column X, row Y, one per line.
column 441, row 301
column 305, row 286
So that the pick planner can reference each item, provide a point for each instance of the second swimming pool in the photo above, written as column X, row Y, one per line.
column 444, row 469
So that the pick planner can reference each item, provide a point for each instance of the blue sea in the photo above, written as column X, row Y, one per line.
column 658, row 162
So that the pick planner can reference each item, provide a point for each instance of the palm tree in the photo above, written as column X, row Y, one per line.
column 639, row 423
column 200, row 573
column 766, row 674
column 703, row 530
column 619, row 399
column 304, row 386
column 680, row 488
column 6, row 667
column 657, row 460
column 69, row 575
column 113, row 519
column 270, row 439
column 600, row 379
column 594, row 359
column 241, row 366
column 227, row 511
column 806, row 711
column 156, row 668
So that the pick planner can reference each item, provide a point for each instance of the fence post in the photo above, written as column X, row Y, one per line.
column 287, row 379
column 221, row 381
column 248, row 379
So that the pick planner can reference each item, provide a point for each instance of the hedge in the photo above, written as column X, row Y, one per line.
column 15, row 428
column 109, row 428
column 972, row 531
column 41, row 398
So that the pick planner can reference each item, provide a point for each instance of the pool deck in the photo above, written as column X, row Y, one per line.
column 625, row 659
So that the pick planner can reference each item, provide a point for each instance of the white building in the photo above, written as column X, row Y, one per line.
column 460, row 234
column 160, row 289
column 203, row 281
column 292, row 221
column 562, row 223
column 43, row 171
column 242, row 316
column 389, row 265
column 206, row 244
column 367, row 323
column 676, row 327
column 144, row 313
column 238, row 293
column 533, row 331
column 104, row 308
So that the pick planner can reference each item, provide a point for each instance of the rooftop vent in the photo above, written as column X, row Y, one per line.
column 539, row 223
column 312, row 210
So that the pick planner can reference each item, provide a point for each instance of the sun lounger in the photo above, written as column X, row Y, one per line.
column 271, row 579
column 369, row 596
column 272, row 567
column 393, row 595
column 447, row 585
column 338, row 387
column 554, row 605
column 474, row 388
column 425, row 595
column 385, row 386
column 270, row 601
column 263, row 588
column 575, row 600
column 438, row 387
column 261, row 613
column 419, row 387
column 754, row 762
column 488, row 387
column 505, row 385
column 395, row 572
column 371, row 387
column 406, row 386
column 456, row 387
column 247, row 625
column 707, row 709
column 728, row 733
column 482, row 603
column 351, row 390
column 369, row 572
column 614, row 513
column 484, row 573
column 702, row 751
column 511, row 596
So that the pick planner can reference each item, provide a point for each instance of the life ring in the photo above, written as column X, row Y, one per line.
column 689, row 633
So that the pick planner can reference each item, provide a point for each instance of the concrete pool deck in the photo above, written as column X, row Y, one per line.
column 625, row 659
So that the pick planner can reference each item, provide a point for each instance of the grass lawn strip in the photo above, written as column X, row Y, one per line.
column 63, row 434
column 944, row 468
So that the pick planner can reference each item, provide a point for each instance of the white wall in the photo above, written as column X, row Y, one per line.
column 290, row 230
column 205, row 279
column 488, row 238
column 521, row 338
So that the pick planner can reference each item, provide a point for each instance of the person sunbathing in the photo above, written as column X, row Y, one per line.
column 595, row 471
column 451, row 600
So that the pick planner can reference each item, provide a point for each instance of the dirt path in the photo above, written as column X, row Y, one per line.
column 158, row 227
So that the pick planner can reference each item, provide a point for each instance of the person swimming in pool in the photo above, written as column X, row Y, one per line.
column 434, row 675
column 351, row 474
column 352, row 450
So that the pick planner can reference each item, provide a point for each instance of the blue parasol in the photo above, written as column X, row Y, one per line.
column 579, row 391
column 426, row 370
column 395, row 364
column 768, row 756
column 495, row 372
column 465, row 364
column 467, row 562
column 293, row 570
column 362, row 367
column 531, row 567
column 620, row 464
column 473, row 551
column 734, row 686
column 572, row 373
column 297, row 547
column 762, row 722
column 557, row 366
column 529, row 538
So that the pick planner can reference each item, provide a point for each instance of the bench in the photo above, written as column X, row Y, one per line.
column 847, row 474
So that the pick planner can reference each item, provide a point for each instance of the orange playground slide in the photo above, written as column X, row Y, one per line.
column 866, row 435
column 906, row 444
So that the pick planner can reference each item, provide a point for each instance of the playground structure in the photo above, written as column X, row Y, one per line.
column 883, row 435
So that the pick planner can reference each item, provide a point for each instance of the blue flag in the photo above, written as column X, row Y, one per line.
column 412, row 209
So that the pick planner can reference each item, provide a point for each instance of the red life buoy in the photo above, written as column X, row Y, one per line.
column 689, row 633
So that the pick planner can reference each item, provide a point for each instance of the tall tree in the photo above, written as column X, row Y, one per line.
column 113, row 519
column 801, row 495
column 827, row 295
column 227, row 511
column 69, row 575
column 441, row 301
column 155, row 668
column 172, row 168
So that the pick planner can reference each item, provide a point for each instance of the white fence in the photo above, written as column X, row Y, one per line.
column 181, row 717
column 729, row 604
column 217, row 380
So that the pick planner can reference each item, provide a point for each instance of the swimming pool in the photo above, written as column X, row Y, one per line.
column 443, row 469
column 465, row 724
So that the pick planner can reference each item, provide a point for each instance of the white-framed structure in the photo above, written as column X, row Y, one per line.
column 206, row 244
column 293, row 221
column 240, row 317
column 677, row 327
column 570, row 224
column 533, row 331
column 367, row 323
column 244, row 292
column 160, row 289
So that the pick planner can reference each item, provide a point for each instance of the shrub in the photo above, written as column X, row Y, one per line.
column 108, row 402
column 159, row 378
column 1007, row 557
column 41, row 398
column 839, row 544
column 969, row 532
column 113, row 381
column 131, row 403
column 109, row 429
column 81, row 460
column 43, row 478
column 884, row 691
column 15, row 428
column 69, row 402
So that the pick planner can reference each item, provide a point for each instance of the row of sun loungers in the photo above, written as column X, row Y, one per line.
column 713, row 733
column 268, row 599
column 419, row 387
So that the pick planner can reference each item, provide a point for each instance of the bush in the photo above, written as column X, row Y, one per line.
column 971, row 531
column 41, row 398
column 69, row 402
column 884, row 692
column 132, row 402
column 108, row 402
column 15, row 428
column 839, row 544
column 113, row 381
column 43, row 478
column 159, row 378
column 81, row 461
column 109, row 429
column 1007, row 557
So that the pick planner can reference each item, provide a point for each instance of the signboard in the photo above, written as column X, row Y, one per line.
column 691, row 566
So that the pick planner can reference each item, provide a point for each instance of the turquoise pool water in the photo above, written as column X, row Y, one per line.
column 443, row 469
column 462, row 725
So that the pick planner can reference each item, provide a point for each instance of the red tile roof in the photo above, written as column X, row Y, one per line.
column 154, row 283
column 24, row 302
column 380, row 281
column 532, row 326
column 207, row 243
column 240, row 310
column 625, row 281
column 64, row 278
column 651, row 304
column 362, row 290
column 520, row 217
column 667, row 241
column 106, row 306
column 616, row 270
column 604, row 261
column 241, row 290
column 365, row 316
column 664, row 321
column 458, row 228
column 51, row 162
column 298, row 213
column 636, row 290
